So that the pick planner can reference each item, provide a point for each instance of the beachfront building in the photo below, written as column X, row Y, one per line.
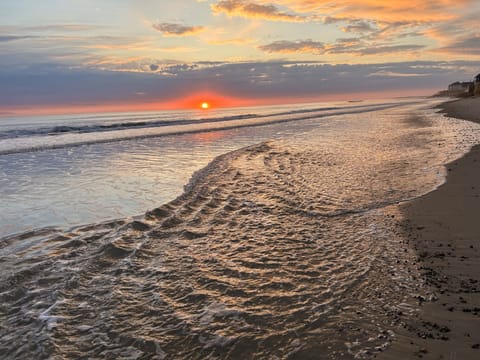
column 477, row 85
column 461, row 87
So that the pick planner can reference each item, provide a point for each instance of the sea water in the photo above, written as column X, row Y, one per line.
column 69, row 170
column 288, row 248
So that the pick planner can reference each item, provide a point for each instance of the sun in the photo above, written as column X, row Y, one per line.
column 205, row 105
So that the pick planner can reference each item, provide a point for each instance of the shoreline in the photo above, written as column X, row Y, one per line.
column 443, row 228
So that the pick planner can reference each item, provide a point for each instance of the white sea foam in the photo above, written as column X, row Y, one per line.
column 35, row 137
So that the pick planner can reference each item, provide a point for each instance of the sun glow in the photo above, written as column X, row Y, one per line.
column 205, row 105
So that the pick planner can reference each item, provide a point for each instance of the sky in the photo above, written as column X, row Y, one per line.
column 85, row 55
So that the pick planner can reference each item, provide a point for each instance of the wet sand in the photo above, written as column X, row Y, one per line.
column 444, row 228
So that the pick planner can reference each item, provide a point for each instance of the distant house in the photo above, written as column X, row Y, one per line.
column 461, row 87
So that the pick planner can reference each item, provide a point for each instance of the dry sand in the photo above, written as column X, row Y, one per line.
column 444, row 228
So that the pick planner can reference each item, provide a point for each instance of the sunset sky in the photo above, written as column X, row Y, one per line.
column 143, row 54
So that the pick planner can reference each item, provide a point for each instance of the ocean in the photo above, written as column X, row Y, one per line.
column 265, row 232
column 64, row 170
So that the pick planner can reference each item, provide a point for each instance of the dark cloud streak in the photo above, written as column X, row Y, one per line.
column 359, row 27
column 284, row 46
column 173, row 29
column 390, row 49
column 464, row 46
column 353, row 45
column 56, row 85
column 9, row 38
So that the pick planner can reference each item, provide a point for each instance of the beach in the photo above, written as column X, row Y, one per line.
column 309, row 246
column 240, row 180
column 443, row 228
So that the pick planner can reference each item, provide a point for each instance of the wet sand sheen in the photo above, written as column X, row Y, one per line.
column 282, row 249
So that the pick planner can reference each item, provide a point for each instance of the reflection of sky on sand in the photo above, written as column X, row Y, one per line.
column 209, row 137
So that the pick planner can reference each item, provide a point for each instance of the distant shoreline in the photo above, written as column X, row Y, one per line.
column 443, row 228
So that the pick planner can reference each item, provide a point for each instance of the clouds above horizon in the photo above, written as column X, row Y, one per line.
column 249, row 80
column 370, row 20
column 144, row 46
column 443, row 26
column 379, row 10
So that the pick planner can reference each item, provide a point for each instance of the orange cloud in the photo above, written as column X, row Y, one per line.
column 376, row 10
column 380, row 10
